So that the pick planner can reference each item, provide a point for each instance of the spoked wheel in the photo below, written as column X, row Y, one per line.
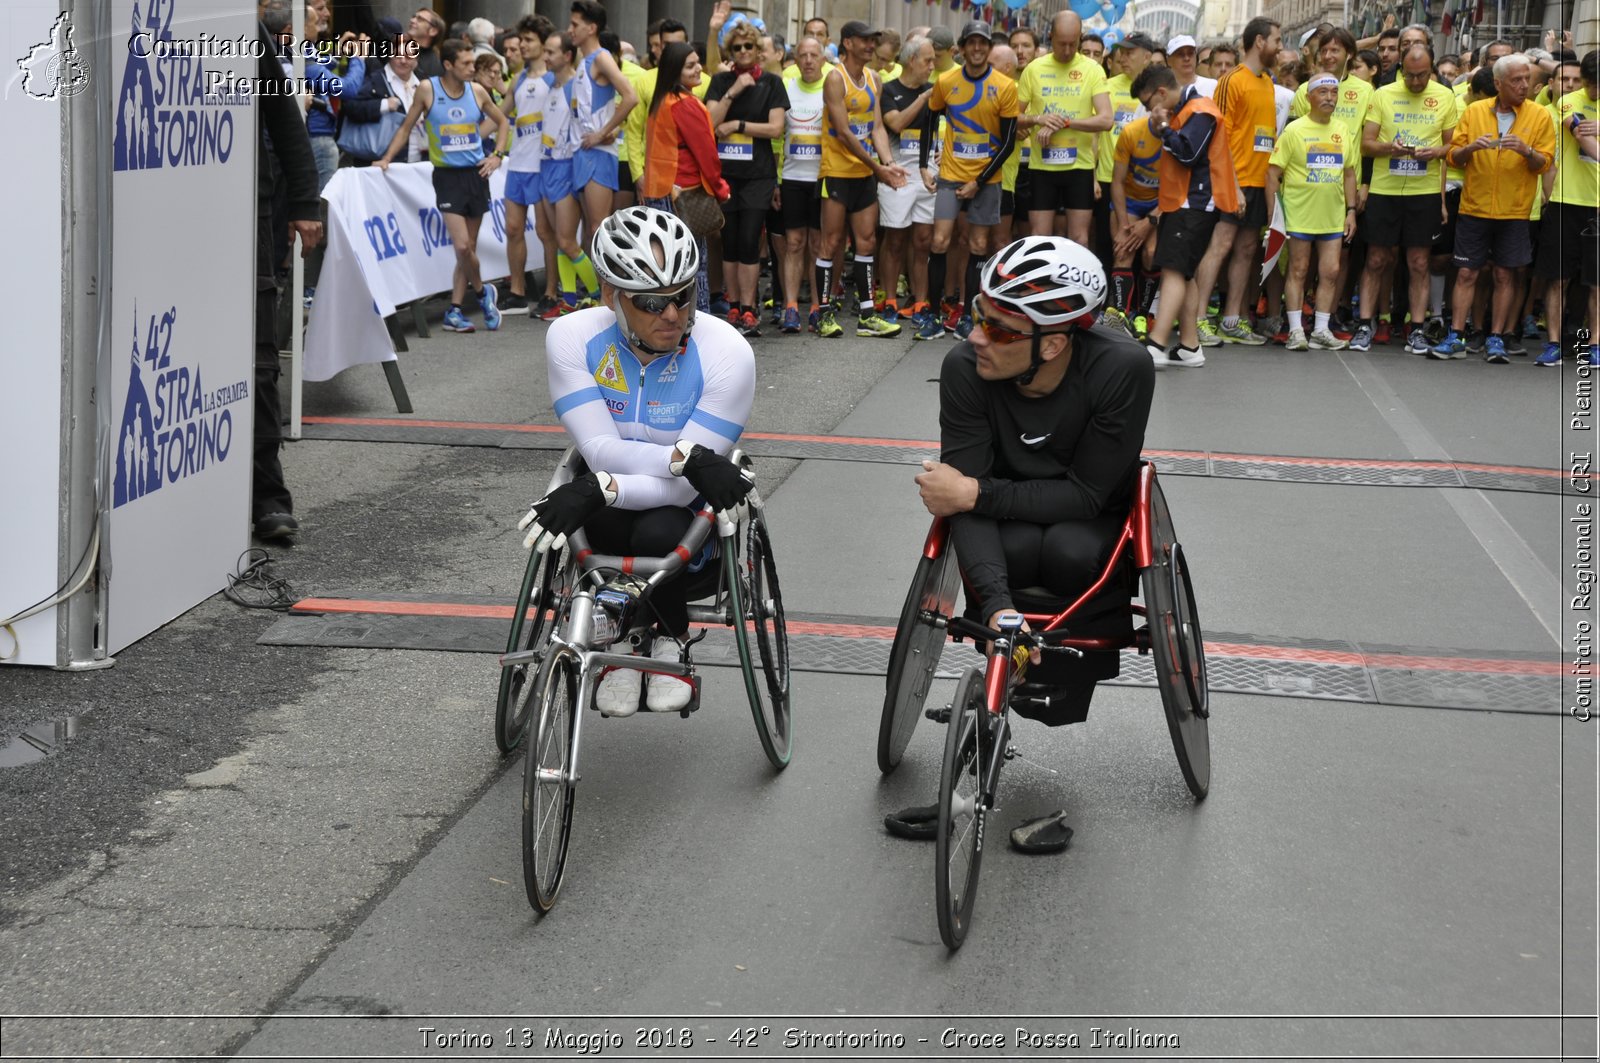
column 548, row 781
column 763, row 640
column 968, row 751
column 918, row 643
column 539, row 596
column 1177, row 648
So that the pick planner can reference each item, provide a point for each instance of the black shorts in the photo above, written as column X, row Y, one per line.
column 1569, row 244
column 461, row 190
column 1183, row 238
column 1008, row 204
column 775, row 226
column 1254, row 215
column 802, row 205
column 1401, row 221
column 1503, row 242
column 750, row 194
column 856, row 193
column 1057, row 190
column 624, row 176
column 1445, row 242
column 1024, row 192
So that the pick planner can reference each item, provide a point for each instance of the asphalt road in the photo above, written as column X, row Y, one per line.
column 251, row 835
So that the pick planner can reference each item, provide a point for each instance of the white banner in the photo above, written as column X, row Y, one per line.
column 387, row 245
column 183, row 305
column 36, row 38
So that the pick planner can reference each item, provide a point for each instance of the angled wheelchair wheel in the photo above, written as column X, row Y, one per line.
column 548, row 780
column 1177, row 648
column 763, row 639
column 962, row 809
column 919, row 641
column 540, row 595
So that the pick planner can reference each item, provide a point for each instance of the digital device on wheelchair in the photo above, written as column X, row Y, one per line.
column 574, row 608
column 1088, row 628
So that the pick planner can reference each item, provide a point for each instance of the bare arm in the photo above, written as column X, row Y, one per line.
column 839, row 118
column 420, row 102
column 1101, row 121
column 627, row 98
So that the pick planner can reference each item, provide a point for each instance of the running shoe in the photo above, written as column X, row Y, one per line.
column 1381, row 336
column 874, row 325
column 1158, row 355
column 1268, row 328
column 1188, row 359
column 902, row 289
column 1239, row 332
column 1297, row 340
column 1116, row 319
column 1513, row 344
column 720, row 305
column 561, row 309
column 1494, row 351
column 964, row 327
column 1530, row 329
column 929, row 327
column 1140, row 327
column 617, row 693
column 666, row 693
column 546, row 302
column 814, row 319
column 777, row 312
column 1417, row 342
column 828, row 325
column 512, row 303
column 1452, row 346
column 1476, row 341
column 1435, row 330
column 309, row 297
column 491, row 309
column 791, row 319
column 749, row 324
column 588, row 302
column 1361, row 339
column 952, row 317
column 1209, row 336
column 732, row 316
column 1324, row 340
column 456, row 321
column 1551, row 355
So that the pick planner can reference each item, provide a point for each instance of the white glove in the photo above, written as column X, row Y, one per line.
column 565, row 510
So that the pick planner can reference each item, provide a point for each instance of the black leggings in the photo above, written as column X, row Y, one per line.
column 741, row 236
column 653, row 533
column 1064, row 558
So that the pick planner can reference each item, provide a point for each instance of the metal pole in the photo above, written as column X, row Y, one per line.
column 1500, row 19
column 297, row 284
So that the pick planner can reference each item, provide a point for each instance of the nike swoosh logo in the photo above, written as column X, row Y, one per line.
column 1036, row 440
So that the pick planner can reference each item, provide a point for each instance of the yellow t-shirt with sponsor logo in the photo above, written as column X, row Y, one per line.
column 1418, row 120
column 1577, row 175
column 1314, row 157
column 1049, row 86
column 1355, row 97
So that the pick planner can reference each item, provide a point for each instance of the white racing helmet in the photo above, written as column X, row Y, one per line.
column 625, row 251
column 1048, row 279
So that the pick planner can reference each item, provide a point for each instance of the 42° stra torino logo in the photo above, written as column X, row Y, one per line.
column 52, row 69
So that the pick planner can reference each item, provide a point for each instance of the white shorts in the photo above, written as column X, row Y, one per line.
column 901, row 207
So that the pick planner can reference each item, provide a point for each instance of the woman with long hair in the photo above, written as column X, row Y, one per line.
column 680, row 147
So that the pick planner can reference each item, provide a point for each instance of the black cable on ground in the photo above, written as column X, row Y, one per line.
column 254, row 585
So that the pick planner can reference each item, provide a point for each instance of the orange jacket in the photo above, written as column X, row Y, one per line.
column 1175, row 176
column 681, row 149
column 1498, row 183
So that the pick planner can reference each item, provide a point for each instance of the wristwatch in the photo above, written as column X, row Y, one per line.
column 741, row 125
column 502, row 154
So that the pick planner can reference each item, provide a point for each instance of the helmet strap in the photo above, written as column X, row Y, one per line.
column 1035, row 360
column 640, row 345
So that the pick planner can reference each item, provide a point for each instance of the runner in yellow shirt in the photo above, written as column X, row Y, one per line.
column 1064, row 104
column 1313, row 164
column 1568, row 247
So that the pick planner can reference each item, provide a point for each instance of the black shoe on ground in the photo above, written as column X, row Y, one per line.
column 512, row 303
column 277, row 526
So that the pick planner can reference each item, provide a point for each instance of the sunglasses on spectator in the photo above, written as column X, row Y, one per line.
column 743, row 46
column 657, row 302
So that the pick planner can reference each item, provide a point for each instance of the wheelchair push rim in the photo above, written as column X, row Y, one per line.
column 919, row 640
column 964, row 796
column 1177, row 648
column 549, row 781
column 762, row 637
column 538, row 595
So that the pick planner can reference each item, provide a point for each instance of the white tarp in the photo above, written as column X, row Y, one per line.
column 183, row 303
column 387, row 245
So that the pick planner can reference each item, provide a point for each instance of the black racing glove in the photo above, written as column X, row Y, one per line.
column 565, row 510
column 719, row 481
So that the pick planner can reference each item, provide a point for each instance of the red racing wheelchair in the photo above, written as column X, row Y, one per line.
column 977, row 742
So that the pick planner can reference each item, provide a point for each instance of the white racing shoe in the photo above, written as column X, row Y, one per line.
column 666, row 693
column 618, row 693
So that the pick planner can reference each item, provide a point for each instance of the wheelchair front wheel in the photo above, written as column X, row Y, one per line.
column 962, row 808
column 549, row 781
column 538, row 596
column 1177, row 648
column 763, row 639
column 914, row 657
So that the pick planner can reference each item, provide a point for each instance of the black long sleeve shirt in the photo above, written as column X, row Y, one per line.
column 1070, row 455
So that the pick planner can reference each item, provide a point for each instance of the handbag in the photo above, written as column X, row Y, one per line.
column 369, row 140
column 699, row 210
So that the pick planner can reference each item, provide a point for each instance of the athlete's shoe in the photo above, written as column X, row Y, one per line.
column 1324, row 340
column 1494, row 351
column 665, row 693
column 1551, row 355
column 456, row 321
column 777, row 312
column 618, row 692
column 1239, row 332
column 1361, row 340
column 1417, row 342
column 1188, row 359
column 929, row 327
column 588, row 302
column 888, row 309
column 545, row 302
column 732, row 316
column 511, row 303
column 874, row 325
column 1452, row 346
column 1477, row 342
column 561, row 309
column 719, row 305
column 913, row 313
column 952, row 317
column 828, row 325
column 1268, row 328
column 1158, row 355
column 1209, row 336
column 814, row 320
column 1513, row 344
column 791, row 319
column 1530, row 328
column 1116, row 319
column 749, row 324
column 1382, row 334
column 1139, row 327
column 1297, row 340
column 964, row 327
column 1435, row 330
column 491, row 311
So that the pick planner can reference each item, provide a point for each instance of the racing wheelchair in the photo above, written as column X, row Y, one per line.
column 576, row 605
column 978, row 736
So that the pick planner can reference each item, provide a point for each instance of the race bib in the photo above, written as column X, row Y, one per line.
column 1121, row 119
column 737, row 148
column 1264, row 139
column 457, row 137
column 805, row 146
column 972, row 146
column 1324, row 167
column 528, row 125
column 1146, row 180
column 1407, row 167
column 1060, row 156
column 862, row 131
column 911, row 144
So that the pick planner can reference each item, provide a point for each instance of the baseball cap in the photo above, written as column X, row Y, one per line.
column 1183, row 40
column 942, row 38
column 389, row 28
column 858, row 29
column 1139, row 40
column 976, row 29
column 1305, row 38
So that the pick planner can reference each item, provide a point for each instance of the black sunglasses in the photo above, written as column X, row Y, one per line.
column 656, row 303
column 743, row 46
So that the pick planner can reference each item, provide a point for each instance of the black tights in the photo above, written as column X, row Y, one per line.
column 653, row 533
column 741, row 236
